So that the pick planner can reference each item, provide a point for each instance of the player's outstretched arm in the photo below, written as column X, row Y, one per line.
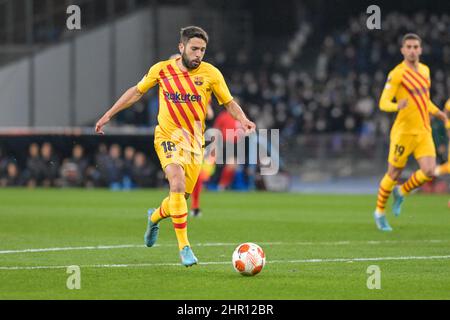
column 442, row 116
column 236, row 112
column 131, row 96
column 437, row 113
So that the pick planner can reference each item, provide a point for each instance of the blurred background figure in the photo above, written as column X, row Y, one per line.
column 206, row 171
column 34, row 166
column 142, row 173
column 3, row 162
column 11, row 178
column 74, row 169
column 129, row 154
column 231, row 134
column 114, row 167
column 100, row 173
column 50, row 165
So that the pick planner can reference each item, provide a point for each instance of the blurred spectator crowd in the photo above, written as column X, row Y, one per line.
column 109, row 167
column 318, row 82
column 326, row 82
column 336, row 88
column 112, row 167
column 353, row 64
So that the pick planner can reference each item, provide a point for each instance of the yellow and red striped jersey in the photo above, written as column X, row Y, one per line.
column 405, row 83
column 183, row 99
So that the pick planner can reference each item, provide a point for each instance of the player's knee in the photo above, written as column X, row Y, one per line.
column 394, row 173
column 175, row 175
column 177, row 185
column 394, row 176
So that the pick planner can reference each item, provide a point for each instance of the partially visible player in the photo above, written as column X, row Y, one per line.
column 185, row 86
column 444, row 168
column 231, row 134
column 206, row 171
column 409, row 84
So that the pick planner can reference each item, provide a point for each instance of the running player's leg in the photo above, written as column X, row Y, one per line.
column 425, row 154
column 400, row 148
column 420, row 177
column 161, row 212
column 177, row 202
column 194, row 182
column 191, row 172
column 168, row 153
column 154, row 217
column 387, row 184
column 182, row 182
column 178, row 212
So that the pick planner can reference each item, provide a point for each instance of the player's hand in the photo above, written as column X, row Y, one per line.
column 248, row 126
column 402, row 104
column 100, row 124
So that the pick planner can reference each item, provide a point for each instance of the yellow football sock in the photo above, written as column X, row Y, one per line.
column 386, row 187
column 162, row 212
column 178, row 213
column 416, row 180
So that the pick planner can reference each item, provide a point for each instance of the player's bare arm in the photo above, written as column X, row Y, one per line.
column 236, row 111
column 441, row 116
column 131, row 96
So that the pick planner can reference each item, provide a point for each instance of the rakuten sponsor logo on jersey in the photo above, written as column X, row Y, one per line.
column 183, row 98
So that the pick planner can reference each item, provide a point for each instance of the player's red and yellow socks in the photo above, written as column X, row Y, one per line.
column 387, row 184
column 442, row 169
column 178, row 213
column 162, row 212
column 416, row 180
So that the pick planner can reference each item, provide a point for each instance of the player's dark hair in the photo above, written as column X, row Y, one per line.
column 190, row 32
column 411, row 36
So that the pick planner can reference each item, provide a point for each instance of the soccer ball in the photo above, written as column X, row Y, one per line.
column 248, row 259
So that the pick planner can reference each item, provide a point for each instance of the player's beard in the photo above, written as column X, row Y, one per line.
column 188, row 64
column 413, row 59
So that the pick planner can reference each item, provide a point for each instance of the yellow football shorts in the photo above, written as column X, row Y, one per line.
column 403, row 145
column 169, row 152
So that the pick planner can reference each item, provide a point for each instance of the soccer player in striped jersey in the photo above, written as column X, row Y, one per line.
column 185, row 87
column 409, row 84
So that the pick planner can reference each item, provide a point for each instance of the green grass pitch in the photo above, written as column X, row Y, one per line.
column 317, row 247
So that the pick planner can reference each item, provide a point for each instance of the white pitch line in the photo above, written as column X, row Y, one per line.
column 220, row 244
column 140, row 265
column 101, row 247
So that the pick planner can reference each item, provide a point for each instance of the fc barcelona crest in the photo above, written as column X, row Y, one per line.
column 198, row 80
